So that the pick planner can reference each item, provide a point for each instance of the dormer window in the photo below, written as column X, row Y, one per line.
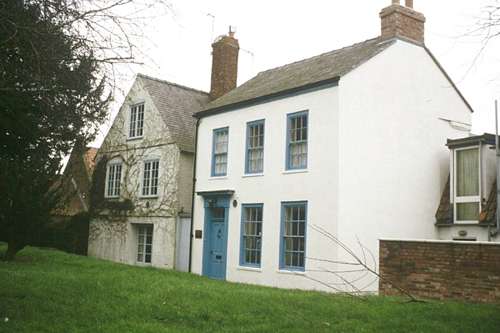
column 467, row 191
column 136, row 125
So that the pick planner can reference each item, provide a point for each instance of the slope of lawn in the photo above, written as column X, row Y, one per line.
column 51, row 291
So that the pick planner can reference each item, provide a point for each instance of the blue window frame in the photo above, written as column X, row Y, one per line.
column 254, row 157
column 219, row 152
column 293, row 235
column 296, row 141
column 251, row 235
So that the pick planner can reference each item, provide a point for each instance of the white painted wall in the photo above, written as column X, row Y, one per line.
column 376, row 169
column 393, row 158
column 317, row 185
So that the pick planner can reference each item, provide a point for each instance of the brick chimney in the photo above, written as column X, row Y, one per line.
column 225, row 51
column 403, row 21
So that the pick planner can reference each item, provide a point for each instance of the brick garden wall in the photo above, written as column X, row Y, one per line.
column 441, row 269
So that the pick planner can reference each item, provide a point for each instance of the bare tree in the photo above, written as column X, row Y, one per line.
column 348, row 279
column 58, row 74
column 485, row 30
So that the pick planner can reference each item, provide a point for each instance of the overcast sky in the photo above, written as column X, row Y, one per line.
column 273, row 33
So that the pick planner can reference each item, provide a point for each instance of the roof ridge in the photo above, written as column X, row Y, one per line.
column 324, row 53
column 171, row 83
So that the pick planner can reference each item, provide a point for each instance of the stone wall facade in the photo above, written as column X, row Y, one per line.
column 467, row 271
column 116, row 240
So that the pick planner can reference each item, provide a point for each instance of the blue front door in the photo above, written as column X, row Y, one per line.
column 215, row 242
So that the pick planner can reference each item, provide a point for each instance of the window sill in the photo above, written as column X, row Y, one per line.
column 145, row 197
column 143, row 264
column 217, row 178
column 249, row 269
column 291, row 272
column 252, row 175
column 289, row 172
column 465, row 224
column 135, row 138
column 117, row 198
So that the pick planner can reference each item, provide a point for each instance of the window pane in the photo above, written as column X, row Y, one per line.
column 114, row 179
column 294, row 235
column 255, row 148
column 144, row 243
column 251, row 232
column 133, row 121
column 219, row 158
column 218, row 213
column 467, row 172
column 140, row 120
column 150, row 178
column 468, row 211
column 297, row 141
column 146, row 178
column 136, row 121
column 111, row 177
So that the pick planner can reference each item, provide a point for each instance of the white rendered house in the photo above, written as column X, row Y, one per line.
column 143, row 180
column 351, row 141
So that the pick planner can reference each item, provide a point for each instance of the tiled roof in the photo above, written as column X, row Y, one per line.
column 488, row 215
column 303, row 73
column 444, row 214
column 89, row 159
column 176, row 104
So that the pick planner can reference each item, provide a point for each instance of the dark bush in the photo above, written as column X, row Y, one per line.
column 69, row 234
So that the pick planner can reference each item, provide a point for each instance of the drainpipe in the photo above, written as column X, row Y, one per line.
column 497, row 148
column 193, row 194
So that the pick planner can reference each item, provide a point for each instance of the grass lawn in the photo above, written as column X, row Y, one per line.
column 51, row 291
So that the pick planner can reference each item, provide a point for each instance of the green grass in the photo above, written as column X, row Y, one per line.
column 51, row 291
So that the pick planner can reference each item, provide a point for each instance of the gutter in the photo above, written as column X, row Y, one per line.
column 193, row 194
column 332, row 82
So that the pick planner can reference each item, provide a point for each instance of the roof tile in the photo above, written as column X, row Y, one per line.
column 302, row 73
column 176, row 104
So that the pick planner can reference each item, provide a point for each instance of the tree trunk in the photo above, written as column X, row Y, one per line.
column 13, row 248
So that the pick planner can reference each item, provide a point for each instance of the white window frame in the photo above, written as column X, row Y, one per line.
column 149, row 160
column 146, row 227
column 113, row 162
column 467, row 199
column 135, row 121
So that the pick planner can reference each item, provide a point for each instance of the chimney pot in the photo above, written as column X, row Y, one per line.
column 409, row 3
column 396, row 2
column 232, row 30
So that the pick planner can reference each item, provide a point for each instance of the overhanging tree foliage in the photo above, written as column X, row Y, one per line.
column 56, row 80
